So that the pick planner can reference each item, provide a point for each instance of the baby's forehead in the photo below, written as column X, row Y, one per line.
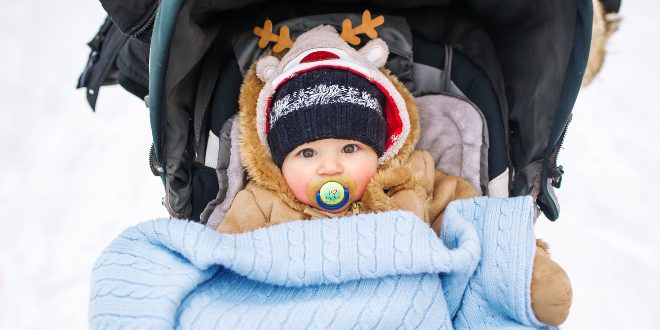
column 331, row 142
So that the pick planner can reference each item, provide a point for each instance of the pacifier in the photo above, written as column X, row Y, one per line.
column 331, row 193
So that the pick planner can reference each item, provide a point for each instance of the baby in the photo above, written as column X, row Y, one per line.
column 334, row 136
column 326, row 133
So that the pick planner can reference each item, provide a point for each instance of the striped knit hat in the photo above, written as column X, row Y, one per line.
column 323, row 88
column 325, row 103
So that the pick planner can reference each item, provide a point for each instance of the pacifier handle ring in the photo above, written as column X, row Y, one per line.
column 336, row 207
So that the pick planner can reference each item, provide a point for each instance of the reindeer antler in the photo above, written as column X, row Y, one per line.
column 368, row 27
column 266, row 35
column 348, row 33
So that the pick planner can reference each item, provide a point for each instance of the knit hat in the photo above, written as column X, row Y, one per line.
column 325, row 103
column 323, row 88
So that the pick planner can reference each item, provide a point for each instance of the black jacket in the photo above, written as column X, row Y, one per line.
column 133, row 17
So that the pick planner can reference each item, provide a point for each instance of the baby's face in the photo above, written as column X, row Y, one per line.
column 321, row 159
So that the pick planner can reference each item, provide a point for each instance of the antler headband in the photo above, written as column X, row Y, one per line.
column 348, row 32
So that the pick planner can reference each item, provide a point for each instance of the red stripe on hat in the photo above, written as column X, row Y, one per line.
column 270, row 100
column 319, row 56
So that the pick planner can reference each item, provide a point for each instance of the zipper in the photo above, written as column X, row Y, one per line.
column 156, row 170
column 155, row 167
column 148, row 23
column 557, row 171
column 355, row 209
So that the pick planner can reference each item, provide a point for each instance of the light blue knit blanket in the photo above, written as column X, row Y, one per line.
column 378, row 271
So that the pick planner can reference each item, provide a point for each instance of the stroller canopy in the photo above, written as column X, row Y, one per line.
column 533, row 52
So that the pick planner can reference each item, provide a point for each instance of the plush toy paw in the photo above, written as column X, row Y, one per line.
column 551, row 289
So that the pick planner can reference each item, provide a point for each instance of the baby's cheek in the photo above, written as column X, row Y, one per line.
column 362, row 178
column 299, row 188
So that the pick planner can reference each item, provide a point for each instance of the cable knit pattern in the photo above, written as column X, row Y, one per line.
column 498, row 293
column 375, row 271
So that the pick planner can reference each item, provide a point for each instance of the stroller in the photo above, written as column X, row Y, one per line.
column 514, row 68
column 519, row 63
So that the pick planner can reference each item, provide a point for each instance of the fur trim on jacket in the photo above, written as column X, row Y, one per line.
column 604, row 25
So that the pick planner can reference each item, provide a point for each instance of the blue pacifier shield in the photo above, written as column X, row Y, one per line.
column 332, row 195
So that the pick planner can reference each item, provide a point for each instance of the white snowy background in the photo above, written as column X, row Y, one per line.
column 71, row 180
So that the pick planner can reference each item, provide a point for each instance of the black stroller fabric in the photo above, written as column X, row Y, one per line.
column 529, row 55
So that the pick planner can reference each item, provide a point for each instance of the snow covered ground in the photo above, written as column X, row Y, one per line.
column 71, row 180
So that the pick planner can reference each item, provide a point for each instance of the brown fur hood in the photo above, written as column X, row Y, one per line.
column 604, row 25
column 262, row 170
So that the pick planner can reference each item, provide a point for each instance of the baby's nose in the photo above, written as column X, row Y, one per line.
column 330, row 166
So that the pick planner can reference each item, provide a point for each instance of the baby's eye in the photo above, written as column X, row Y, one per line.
column 307, row 153
column 350, row 148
